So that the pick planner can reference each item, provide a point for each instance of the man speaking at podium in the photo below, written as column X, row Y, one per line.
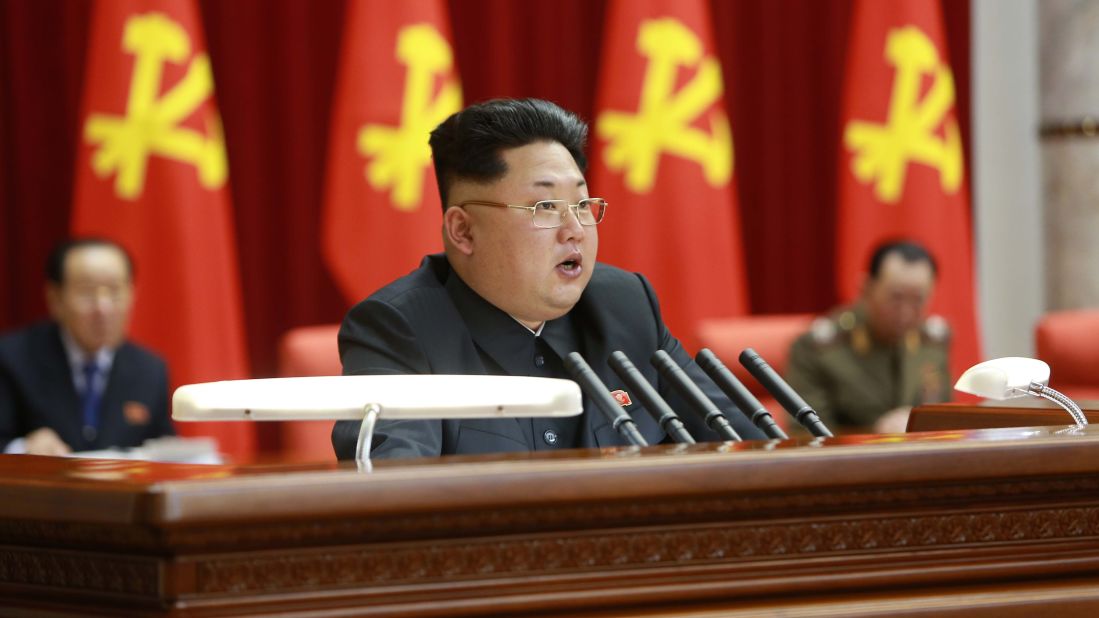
column 516, row 290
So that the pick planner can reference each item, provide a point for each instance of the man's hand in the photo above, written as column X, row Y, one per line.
column 893, row 421
column 45, row 441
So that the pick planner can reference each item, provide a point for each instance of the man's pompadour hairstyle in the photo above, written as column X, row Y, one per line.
column 468, row 144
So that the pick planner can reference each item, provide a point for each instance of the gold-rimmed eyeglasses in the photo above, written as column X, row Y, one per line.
column 552, row 213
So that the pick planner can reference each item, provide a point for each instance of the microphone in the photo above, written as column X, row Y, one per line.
column 695, row 397
column 667, row 418
column 740, row 395
column 781, row 391
column 580, row 371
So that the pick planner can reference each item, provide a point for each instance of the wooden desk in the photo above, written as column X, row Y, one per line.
column 1025, row 412
column 1004, row 522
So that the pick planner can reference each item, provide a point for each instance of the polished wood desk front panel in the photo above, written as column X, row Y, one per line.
column 1001, row 522
column 1028, row 412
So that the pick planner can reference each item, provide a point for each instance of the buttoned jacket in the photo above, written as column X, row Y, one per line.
column 431, row 322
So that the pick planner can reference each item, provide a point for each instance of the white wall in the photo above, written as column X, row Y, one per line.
column 1006, row 174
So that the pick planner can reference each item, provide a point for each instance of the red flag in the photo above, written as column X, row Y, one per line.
column 397, row 82
column 663, row 159
column 152, row 174
column 902, row 170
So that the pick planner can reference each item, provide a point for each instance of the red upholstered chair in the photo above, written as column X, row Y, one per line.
column 308, row 351
column 1069, row 342
column 769, row 335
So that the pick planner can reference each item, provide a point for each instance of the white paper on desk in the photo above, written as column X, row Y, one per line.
column 168, row 449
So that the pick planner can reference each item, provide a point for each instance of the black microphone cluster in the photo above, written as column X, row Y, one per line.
column 697, row 400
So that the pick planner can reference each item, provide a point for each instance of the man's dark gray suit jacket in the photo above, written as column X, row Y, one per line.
column 431, row 322
column 36, row 390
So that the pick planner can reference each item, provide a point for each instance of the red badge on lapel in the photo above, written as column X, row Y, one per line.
column 136, row 413
column 622, row 397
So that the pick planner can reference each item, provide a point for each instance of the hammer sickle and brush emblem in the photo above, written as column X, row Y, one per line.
column 663, row 122
column 151, row 124
column 882, row 152
column 400, row 155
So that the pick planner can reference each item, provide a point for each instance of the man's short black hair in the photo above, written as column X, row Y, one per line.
column 467, row 145
column 55, row 263
column 908, row 250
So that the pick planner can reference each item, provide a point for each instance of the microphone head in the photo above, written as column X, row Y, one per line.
column 576, row 366
column 707, row 359
column 661, row 360
column 748, row 354
column 749, row 358
column 619, row 359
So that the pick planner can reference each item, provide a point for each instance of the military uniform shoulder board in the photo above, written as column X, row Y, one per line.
column 936, row 329
column 823, row 331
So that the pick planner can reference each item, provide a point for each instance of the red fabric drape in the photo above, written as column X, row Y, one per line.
column 274, row 64
column 381, row 204
column 663, row 158
column 901, row 172
column 42, row 47
column 151, row 174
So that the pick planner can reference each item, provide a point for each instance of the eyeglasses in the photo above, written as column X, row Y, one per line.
column 88, row 296
column 552, row 213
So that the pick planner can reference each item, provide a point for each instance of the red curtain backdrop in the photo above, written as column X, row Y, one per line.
column 901, row 173
column 275, row 64
column 381, row 204
column 155, row 180
column 662, row 156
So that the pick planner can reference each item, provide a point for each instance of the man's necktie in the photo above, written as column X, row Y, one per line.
column 89, row 401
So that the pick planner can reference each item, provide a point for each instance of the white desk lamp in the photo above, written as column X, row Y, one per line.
column 1014, row 376
column 366, row 398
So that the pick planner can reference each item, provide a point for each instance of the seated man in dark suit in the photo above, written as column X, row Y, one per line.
column 75, row 383
column 517, row 289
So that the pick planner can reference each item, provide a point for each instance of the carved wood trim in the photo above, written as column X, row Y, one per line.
column 78, row 534
column 558, row 516
column 552, row 553
column 92, row 573
column 690, row 510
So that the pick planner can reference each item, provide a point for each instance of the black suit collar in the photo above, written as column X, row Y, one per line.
column 494, row 332
column 500, row 336
column 508, row 344
column 53, row 363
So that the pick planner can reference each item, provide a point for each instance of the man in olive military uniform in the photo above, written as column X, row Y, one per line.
column 864, row 366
